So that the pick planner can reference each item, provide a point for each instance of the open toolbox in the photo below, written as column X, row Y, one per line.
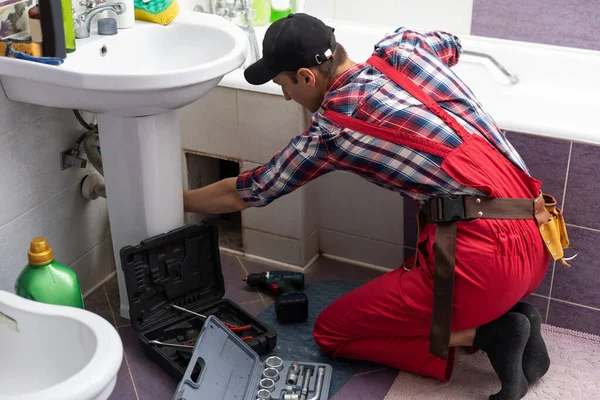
column 223, row 367
column 174, row 281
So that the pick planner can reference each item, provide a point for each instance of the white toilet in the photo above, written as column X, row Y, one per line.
column 50, row 352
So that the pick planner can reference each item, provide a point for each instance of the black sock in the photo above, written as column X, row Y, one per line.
column 504, row 341
column 536, row 361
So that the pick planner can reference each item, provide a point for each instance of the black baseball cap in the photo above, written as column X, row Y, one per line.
column 297, row 41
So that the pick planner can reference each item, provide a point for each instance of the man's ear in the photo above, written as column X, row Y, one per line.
column 307, row 77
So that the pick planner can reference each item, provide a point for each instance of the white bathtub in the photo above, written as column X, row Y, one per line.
column 556, row 95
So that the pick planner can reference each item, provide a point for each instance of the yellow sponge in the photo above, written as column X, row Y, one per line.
column 31, row 48
column 158, row 11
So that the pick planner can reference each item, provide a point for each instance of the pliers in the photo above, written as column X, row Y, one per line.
column 236, row 329
column 231, row 327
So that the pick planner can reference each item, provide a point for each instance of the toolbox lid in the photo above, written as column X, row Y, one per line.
column 180, row 267
column 222, row 367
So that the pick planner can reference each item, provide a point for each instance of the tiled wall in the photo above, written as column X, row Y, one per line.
column 334, row 214
column 453, row 16
column 556, row 22
column 38, row 199
column 283, row 231
column 570, row 295
column 568, row 170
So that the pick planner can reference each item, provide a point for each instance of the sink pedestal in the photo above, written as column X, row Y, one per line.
column 141, row 158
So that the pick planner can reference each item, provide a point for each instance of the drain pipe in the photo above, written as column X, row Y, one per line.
column 92, row 186
column 91, row 145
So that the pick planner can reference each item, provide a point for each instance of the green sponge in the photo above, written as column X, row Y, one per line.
column 158, row 11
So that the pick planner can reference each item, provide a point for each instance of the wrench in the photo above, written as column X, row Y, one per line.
column 319, row 387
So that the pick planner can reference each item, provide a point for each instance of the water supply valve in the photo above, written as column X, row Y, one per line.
column 71, row 158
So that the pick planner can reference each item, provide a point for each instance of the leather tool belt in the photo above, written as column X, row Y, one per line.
column 446, row 211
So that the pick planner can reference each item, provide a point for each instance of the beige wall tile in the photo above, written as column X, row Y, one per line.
column 267, row 123
column 209, row 125
column 361, row 249
column 273, row 247
column 348, row 203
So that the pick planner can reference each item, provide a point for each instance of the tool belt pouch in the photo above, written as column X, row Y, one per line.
column 554, row 230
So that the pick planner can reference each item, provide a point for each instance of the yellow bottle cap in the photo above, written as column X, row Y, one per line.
column 40, row 253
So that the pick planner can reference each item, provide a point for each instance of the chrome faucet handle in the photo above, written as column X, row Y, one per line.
column 89, row 4
column 83, row 21
column 222, row 8
column 118, row 8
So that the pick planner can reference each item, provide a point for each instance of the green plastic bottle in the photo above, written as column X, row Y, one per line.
column 262, row 12
column 280, row 9
column 69, row 25
column 46, row 280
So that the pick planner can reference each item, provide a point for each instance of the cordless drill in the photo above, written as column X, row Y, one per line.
column 278, row 282
column 291, row 305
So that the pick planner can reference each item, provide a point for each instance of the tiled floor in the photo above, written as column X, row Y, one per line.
column 141, row 379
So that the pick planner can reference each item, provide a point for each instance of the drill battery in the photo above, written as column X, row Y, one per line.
column 291, row 307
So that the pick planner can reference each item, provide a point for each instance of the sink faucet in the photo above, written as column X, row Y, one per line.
column 83, row 22
column 240, row 12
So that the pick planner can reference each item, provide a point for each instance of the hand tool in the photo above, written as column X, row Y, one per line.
column 271, row 373
column 178, row 346
column 263, row 394
column 305, row 382
column 277, row 282
column 289, row 394
column 319, row 386
column 274, row 362
column 231, row 327
column 268, row 384
column 293, row 372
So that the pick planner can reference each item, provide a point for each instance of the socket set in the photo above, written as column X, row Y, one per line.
column 223, row 367
column 293, row 380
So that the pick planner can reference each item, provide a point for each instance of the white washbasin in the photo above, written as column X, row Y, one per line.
column 146, row 70
column 136, row 81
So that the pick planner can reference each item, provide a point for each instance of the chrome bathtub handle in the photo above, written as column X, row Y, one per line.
column 512, row 78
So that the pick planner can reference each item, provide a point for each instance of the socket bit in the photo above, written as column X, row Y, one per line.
column 293, row 372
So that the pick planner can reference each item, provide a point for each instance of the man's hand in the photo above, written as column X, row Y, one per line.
column 218, row 198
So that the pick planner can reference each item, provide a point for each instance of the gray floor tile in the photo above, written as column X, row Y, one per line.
column 124, row 389
column 255, row 307
column 151, row 381
column 98, row 304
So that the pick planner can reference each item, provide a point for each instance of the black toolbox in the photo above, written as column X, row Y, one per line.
column 182, row 268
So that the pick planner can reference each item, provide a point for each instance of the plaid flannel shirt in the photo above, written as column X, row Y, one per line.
column 365, row 93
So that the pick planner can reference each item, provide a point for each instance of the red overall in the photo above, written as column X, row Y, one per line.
column 498, row 261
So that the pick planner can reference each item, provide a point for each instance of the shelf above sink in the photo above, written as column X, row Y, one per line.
column 145, row 70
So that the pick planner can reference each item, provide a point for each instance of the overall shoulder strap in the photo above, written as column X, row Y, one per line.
column 418, row 93
column 388, row 134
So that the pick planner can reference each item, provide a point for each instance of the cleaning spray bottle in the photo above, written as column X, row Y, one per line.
column 46, row 280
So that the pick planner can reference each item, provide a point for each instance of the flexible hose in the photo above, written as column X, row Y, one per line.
column 90, row 145
column 82, row 122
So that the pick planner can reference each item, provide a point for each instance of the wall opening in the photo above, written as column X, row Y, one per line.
column 204, row 170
